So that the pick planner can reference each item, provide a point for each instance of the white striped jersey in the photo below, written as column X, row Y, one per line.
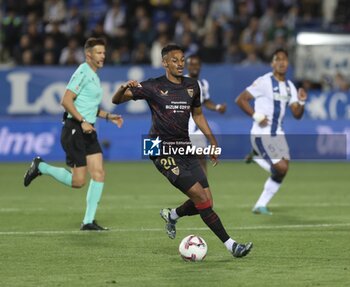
column 271, row 99
column 204, row 88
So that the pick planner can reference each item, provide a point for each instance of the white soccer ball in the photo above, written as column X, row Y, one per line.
column 193, row 248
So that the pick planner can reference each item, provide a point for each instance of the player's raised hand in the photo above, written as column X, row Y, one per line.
column 131, row 84
column 221, row 108
column 116, row 119
column 302, row 95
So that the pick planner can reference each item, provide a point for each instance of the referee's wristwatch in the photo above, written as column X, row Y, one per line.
column 83, row 120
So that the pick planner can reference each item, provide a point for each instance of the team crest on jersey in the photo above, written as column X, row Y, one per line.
column 176, row 170
column 164, row 93
column 190, row 92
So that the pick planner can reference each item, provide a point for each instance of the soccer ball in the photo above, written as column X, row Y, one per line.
column 193, row 248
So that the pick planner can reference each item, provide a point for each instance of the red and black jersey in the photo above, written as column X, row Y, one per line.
column 170, row 104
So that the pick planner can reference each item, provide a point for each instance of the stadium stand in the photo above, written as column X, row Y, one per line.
column 35, row 32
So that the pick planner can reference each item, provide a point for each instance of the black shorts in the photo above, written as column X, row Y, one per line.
column 78, row 145
column 182, row 171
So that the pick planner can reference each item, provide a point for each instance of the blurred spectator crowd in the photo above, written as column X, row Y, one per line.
column 53, row 32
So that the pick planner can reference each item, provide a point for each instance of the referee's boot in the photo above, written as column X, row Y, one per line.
column 92, row 227
column 33, row 171
column 169, row 223
column 241, row 250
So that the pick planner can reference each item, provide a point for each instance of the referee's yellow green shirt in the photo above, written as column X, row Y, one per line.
column 86, row 84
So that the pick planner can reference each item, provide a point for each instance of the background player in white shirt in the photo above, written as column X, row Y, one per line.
column 271, row 93
column 193, row 65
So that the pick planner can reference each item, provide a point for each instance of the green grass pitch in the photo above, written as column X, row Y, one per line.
column 305, row 243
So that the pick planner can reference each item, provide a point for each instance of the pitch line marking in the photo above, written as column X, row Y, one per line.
column 261, row 227
column 310, row 205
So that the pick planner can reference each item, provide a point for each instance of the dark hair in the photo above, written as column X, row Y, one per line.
column 279, row 50
column 169, row 48
column 92, row 42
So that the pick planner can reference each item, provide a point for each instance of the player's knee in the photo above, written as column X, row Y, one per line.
column 281, row 168
column 198, row 194
column 278, row 174
column 78, row 182
column 200, row 197
column 98, row 175
column 205, row 199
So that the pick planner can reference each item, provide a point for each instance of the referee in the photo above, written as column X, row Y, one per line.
column 79, row 139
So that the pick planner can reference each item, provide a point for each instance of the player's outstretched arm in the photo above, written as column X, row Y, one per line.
column 113, row 118
column 202, row 124
column 124, row 94
column 116, row 119
column 210, row 105
column 297, row 108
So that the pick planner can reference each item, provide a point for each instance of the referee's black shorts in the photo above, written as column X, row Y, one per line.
column 78, row 145
column 182, row 171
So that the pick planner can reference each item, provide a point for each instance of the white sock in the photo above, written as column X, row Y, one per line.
column 173, row 214
column 229, row 243
column 270, row 189
column 263, row 163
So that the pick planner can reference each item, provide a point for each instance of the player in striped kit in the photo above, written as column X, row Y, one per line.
column 272, row 93
column 198, row 139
